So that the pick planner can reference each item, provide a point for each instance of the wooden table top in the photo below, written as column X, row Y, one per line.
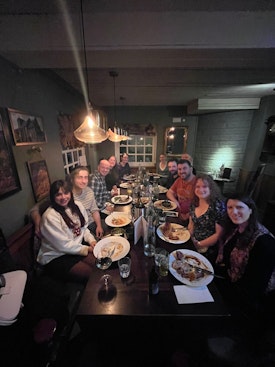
column 130, row 297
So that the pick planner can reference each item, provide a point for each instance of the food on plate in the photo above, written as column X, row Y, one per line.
column 121, row 199
column 186, row 266
column 113, row 247
column 166, row 204
column 129, row 177
column 144, row 200
column 117, row 231
column 169, row 232
column 118, row 221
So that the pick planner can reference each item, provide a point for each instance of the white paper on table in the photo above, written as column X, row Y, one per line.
column 140, row 228
column 186, row 294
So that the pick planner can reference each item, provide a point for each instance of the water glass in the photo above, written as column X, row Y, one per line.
column 110, row 207
column 162, row 216
column 124, row 266
column 159, row 254
column 149, row 242
column 164, row 265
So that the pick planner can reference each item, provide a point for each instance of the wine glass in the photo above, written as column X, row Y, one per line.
column 103, row 262
column 129, row 190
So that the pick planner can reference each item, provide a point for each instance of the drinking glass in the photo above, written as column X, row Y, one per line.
column 103, row 262
column 129, row 191
column 107, row 291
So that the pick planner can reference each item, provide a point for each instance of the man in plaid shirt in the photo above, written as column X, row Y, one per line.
column 98, row 183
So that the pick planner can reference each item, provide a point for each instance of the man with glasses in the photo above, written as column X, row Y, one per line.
column 98, row 184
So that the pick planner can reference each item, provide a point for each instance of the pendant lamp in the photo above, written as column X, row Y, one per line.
column 89, row 131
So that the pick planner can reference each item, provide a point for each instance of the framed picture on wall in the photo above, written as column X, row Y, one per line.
column 9, row 180
column 40, row 179
column 27, row 129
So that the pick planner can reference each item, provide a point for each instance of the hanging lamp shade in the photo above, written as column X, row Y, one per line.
column 90, row 131
column 114, row 137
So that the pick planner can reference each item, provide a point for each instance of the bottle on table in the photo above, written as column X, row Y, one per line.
column 155, row 191
column 149, row 240
column 153, row 281
column 139, row 206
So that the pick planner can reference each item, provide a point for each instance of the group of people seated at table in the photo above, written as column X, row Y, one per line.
column 229, row 234
column 226, row 231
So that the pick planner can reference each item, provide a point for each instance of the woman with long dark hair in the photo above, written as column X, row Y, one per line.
column 67, row 244
column 246, row 256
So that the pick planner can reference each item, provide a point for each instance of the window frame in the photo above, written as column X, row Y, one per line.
column 135, row 149
column 72, row 158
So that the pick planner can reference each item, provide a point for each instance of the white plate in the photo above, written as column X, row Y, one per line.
column 179, row 230
column 158, row 204
column 117, row 216
column 129, row 177
column 202, row 262
column 125, row 185
column 108, row 243
column 121, row 199
column 162, row 189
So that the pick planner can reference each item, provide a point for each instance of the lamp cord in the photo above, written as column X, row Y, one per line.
column 85, row 56
column 114, row 76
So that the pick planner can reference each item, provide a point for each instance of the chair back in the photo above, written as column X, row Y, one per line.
column 226, row 173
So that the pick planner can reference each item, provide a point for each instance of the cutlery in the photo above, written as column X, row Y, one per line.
column 202, row 270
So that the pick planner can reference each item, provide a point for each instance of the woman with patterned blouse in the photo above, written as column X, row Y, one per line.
column 206, row 215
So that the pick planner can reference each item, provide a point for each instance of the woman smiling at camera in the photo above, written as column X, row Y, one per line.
column 67, row 244
column 246, row 256
column 206, row 215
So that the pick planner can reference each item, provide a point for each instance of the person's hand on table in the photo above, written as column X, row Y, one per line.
column 114, row 191
column 99, row 231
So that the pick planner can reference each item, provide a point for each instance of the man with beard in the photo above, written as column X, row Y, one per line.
column 173, row 172
column 182, row 190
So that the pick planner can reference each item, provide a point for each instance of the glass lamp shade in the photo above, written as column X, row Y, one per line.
column 125, row 137
column 113, row 136
column 89, row 131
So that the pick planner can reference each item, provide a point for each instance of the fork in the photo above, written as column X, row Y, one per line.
column 202, row 270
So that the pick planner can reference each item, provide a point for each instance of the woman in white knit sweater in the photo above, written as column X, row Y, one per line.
column 67, row 244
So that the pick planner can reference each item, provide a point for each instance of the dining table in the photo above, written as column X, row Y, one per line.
column 129, row 299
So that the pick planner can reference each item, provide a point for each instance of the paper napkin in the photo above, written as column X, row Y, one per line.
column 186, row 294
column 140, row 228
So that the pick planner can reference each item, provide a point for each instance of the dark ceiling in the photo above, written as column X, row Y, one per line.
column 165, row 52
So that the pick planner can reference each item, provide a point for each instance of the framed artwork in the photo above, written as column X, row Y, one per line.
column 40, row 179
column 9, row 179
column 27, row 129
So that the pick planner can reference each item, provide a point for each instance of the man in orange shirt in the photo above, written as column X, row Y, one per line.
column 182, row 190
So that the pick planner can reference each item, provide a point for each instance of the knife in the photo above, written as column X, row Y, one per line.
column 205, row 271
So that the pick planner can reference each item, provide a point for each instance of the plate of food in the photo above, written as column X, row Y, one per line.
column 129, row 177
column 190, row 268
column 162, row 189
column 118, row 245
column 165, row 204
column 125, row 185
column 173, row 233
column 121, row 199
column 117, row 219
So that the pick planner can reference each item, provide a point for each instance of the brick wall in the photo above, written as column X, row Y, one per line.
column 222, row 139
